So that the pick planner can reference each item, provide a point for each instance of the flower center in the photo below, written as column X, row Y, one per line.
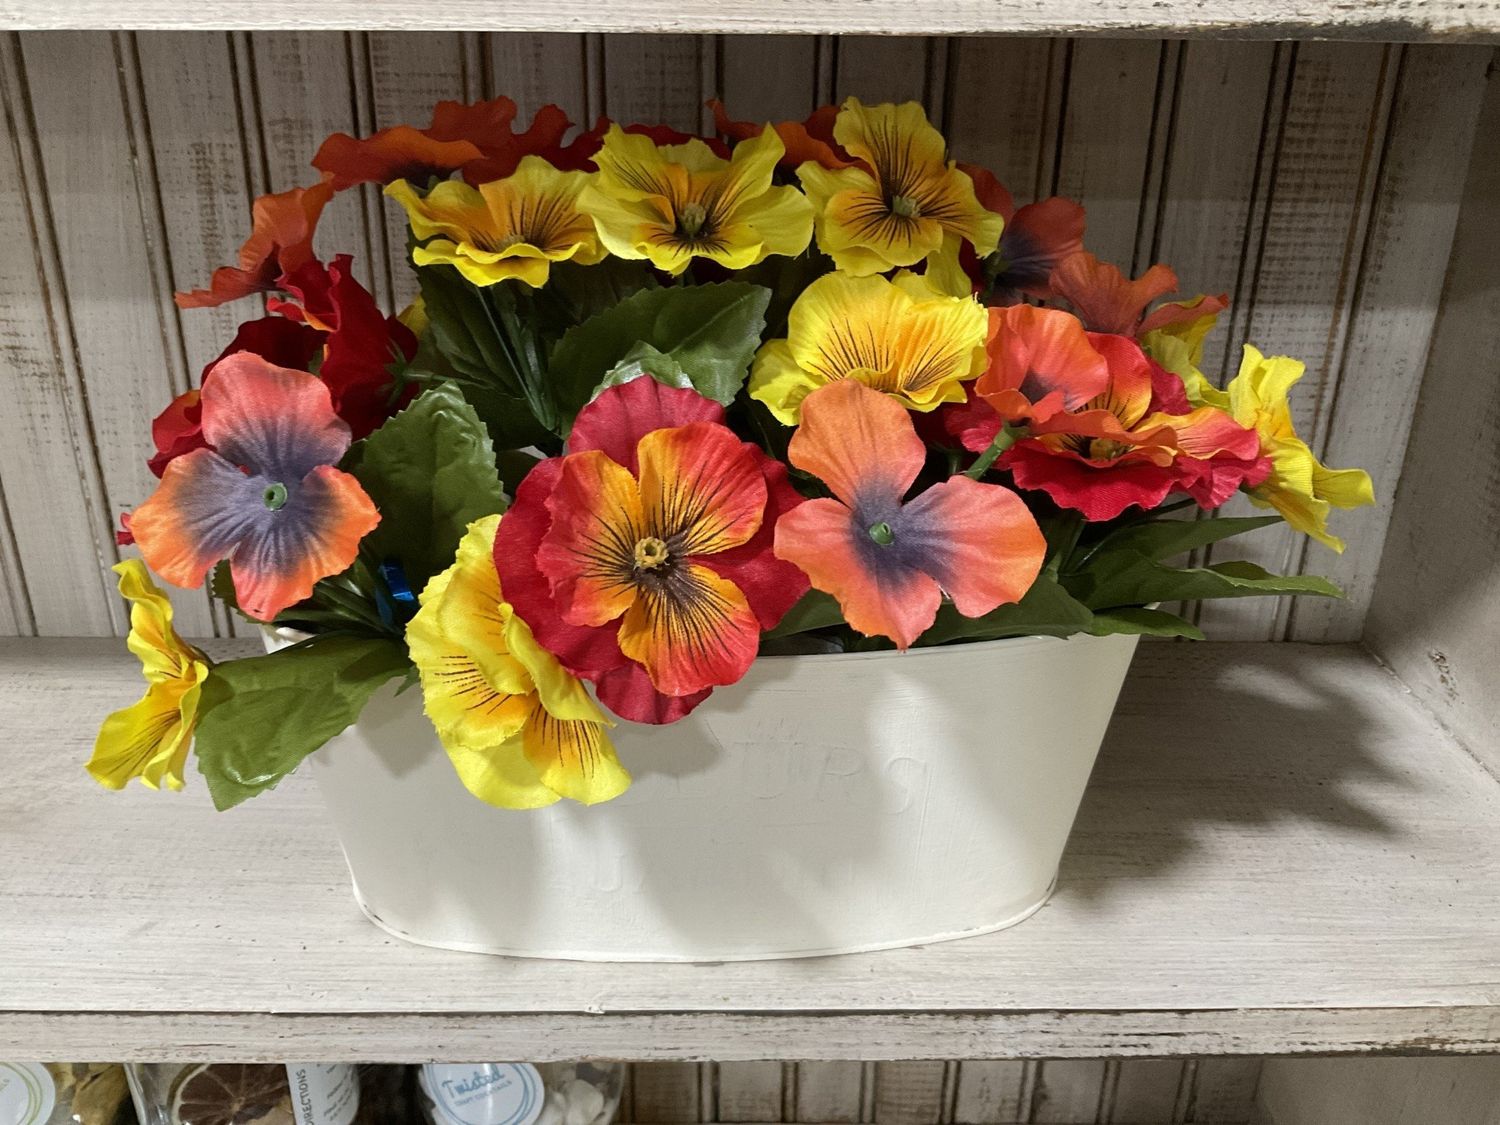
column 651, row 553
column 274, row 496
column 691, row 218
column 881, row 532
column 905, row 206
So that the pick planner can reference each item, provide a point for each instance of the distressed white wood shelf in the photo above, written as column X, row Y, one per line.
column 1381, row 20
column 1281, row 852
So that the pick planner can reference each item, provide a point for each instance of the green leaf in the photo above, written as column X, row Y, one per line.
column 1130, row 578
column 1163, row 539
column 1046, row 610
column 814, row 610
column 710, row 332
column 1147, row 622
column 643, row 359
column 258, row 718
column 464, row 330
column 431, row 472
column 580, row 292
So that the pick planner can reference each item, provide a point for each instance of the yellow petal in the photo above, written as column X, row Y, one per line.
column 573, row 758
column 917, row 350
column 559, row 691
column 149, row 739
column 779, row 382
column 502, row 775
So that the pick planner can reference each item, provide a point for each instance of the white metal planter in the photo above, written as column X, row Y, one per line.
column 824, row 804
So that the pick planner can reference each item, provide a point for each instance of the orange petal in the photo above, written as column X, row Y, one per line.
column 692, row 630
column 588, row 554
column 879, row 591
column 701, row 487
column 1040, row 362
column 857, row 441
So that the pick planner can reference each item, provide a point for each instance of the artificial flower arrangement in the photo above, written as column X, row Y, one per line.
column 667, row 403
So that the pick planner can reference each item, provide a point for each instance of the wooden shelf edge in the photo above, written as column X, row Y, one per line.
column 1383, row 20
column 737, row 1037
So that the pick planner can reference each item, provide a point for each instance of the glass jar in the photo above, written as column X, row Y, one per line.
column 63, row 1094
column 582, row 1093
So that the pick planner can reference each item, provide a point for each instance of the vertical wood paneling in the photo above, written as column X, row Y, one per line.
column 1068, row 1092
column 886, row 69
column 1373, row 396
column 1025, row 77
column 306, row 83
column 911, row 1093
column 1323, row 173
column 1436, row 612
column 1316, row 182
column 667, row 1092
column 660, row 79
column 58, row 513
column 1143, row 1091
column 830, row 1091
column 748, row 1091
column 1224, row 1091
column 408, row 73
column 1106, row 133
column 992, row 1093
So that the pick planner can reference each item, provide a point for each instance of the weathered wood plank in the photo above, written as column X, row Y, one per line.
column 1387, row 1091
column 1068, row 1092
column 58, row 513
column 831, row 1091
column 768, row 77
column 748, row 1091
column 910, row 1093
column 1403, row 265
column 1188, row 829
column 1224, row 1090
column 1322, row 181
column 1105, row 142
column 878, row 69
column 1019, row 145
column 1142, row 1091
column 666, row 1092
column 1383, row 20
column 993, row 1093
column 659, row 80
column 1436, row 610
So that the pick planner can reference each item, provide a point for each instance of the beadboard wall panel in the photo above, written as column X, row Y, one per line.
column 1055, row 1092
column 1317, row 183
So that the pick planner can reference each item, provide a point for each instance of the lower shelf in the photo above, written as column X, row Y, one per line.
column 1280, row 852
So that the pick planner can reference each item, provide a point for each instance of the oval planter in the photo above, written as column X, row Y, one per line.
column 823, row 804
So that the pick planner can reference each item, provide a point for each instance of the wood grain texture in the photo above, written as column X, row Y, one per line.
column 748, row 1091
column 1436, row 610
column 1323, row 167
column 992, row 1093
column 1068, row 1091
column 1188, row 829
column 911, row 1093
column 834, row 1091
column 1265, row 19
column 659, row 80
column 1025, row 77
column 58, row 522
column 1380, row 1092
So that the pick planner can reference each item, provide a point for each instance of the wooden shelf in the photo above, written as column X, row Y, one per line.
column 1281, row 852
column 1381, row 20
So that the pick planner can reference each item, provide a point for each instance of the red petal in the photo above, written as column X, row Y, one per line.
column 615, row 421
column 1100, row 492
column 1040, row 362
column 1102, row 296
column 771, row 585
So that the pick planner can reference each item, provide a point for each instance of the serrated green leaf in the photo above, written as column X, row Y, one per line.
column 710, row 331
column 643, row 359
column 431, row 472
column 1142, row 621
column 259, row 718
column 1046, row 610
column 464, row 330
column 814, row 610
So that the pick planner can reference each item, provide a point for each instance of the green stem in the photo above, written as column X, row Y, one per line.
column 1003, row 441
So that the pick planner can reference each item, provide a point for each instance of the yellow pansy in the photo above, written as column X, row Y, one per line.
column 673, row 203
column 1180, row 354
column 150, row 739
column 901, row 200
column 1299, row 487
column 520, row 729
column 900, row 337
column 511, row 228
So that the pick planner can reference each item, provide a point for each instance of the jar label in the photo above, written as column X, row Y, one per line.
column 484, row 1093
column 323, row 1093
column 27, row 1094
